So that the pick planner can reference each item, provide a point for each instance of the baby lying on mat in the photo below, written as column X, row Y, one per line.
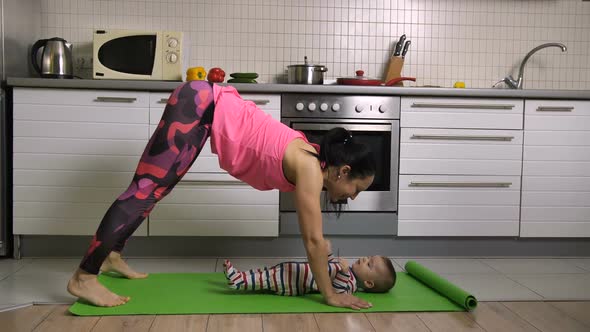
column 374, row 274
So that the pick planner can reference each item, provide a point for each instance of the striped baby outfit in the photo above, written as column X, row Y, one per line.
column 289, row 278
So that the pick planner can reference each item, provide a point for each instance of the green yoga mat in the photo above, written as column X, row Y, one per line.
column 207, row 293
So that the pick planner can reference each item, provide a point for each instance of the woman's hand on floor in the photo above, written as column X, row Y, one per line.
column 347, row 301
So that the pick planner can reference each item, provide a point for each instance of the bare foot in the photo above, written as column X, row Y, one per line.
column 86, row 286
column 114, row 263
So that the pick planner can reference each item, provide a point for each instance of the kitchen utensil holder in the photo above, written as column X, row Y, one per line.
column 394, row 70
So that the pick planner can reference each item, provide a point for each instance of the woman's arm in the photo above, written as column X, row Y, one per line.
column 307, row 196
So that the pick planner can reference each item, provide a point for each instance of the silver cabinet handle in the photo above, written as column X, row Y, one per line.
column 351, row 127
column 480, row 106
column 163, row 101
column 259, row 101
column 461, row 184
column 555, row 109
column 464, row 138
column 116, row 99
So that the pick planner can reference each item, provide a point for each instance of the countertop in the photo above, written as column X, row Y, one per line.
column 295, row 88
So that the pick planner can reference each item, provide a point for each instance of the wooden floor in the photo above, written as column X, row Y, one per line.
column 489, row 316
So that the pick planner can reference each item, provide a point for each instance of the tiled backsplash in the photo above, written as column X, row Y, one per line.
column 476, row 41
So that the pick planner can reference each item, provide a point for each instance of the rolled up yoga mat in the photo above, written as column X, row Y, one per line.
column 441, row 285
column 207, row 293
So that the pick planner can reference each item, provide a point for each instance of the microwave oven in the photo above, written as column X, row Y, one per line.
column 137, row 55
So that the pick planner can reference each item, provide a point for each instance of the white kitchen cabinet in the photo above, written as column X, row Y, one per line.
column 460, row 166
column 210, row 202
column 556, row 169
column 461, row 113
column 74, row 152
column 450, row 205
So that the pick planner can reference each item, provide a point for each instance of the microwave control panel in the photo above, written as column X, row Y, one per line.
column 172, row 46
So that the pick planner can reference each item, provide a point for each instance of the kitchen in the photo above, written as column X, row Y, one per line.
column 478, row 43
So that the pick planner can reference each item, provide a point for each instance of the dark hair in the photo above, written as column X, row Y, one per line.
column 339, row 148
column 384, row 285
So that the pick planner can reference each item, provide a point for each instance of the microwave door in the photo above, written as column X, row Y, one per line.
column 129, row 54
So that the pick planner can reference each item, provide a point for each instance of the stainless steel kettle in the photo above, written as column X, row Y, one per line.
column 56, row 58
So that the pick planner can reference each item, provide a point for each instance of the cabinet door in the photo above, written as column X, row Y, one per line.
column 556, row 169
column 210, row 202
column 452, row 205
column 216, row 209
column 460, row 151
column 74, row 152
column 461, row 113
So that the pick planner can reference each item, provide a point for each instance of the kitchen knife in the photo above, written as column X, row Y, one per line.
column 405, row 50
column 399, row 45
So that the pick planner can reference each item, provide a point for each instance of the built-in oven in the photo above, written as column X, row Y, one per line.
column 373, row 120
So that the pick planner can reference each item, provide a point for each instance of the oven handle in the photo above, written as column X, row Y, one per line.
column 351, row 127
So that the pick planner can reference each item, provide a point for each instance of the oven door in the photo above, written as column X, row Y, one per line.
column 382, row 136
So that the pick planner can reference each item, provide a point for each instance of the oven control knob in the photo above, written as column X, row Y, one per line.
column 173, row 42
column 172, row 57
column 336, row 107
column 359, row 108
column 299, row 106
column 311, row 107
column 382, row 108
column 323, row 107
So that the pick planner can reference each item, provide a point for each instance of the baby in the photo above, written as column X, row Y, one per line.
column 374, row 274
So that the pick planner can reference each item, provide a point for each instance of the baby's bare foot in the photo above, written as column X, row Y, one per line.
column 86, row 286
column 114, row 263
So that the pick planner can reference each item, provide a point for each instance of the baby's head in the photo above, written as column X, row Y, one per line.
column 375, row 274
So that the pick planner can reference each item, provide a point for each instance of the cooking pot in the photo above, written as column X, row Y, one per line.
column 306, row 73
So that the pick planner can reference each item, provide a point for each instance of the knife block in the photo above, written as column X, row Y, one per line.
column 394, row 69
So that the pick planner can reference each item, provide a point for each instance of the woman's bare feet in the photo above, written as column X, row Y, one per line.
column 86, row 286
column 114, row 263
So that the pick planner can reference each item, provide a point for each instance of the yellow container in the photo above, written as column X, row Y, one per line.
column 196, row 74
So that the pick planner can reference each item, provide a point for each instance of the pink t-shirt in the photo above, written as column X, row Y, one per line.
column 249, row 143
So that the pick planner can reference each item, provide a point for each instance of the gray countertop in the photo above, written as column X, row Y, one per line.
column 293, row 88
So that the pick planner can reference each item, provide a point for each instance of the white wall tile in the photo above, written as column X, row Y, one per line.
column 478, row 42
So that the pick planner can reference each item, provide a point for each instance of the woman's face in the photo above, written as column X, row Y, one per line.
column 341, row 187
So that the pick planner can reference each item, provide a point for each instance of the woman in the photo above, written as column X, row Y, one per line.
column 252, row 147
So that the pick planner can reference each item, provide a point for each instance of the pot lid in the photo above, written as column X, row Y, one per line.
column 306, row 64
column 360, row 76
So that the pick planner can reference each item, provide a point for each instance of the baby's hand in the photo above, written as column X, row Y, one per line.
column 329, row 246
column 343, row 263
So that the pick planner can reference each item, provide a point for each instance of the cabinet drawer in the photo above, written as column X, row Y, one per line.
column 81, row 114
column 63, row 226
column 101, row 98
column 458, row 205
column 462, row 113
column 79, row 146
column 200, row 192
column 554, row 229
column 459, row 151
column 557, row 115
column 216, row 210
column 63, row 178
column 72, row 162
column 106, row 131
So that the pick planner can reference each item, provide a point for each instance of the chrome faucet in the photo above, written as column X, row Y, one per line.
column 517, row 83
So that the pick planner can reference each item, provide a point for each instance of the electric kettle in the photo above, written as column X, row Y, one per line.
column 56, row 58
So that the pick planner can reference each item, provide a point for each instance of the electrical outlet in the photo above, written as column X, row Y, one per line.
column 83, row 60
